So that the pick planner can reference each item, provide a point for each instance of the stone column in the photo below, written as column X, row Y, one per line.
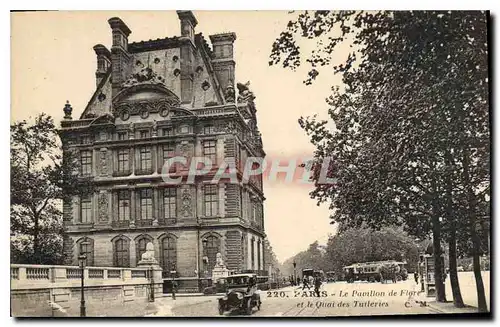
column 222, row 202
column 132, row 207
column 156, row 206
column 133, row 258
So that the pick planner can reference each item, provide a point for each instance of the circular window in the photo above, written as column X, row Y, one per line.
column 101, row 97
column 144, row 114
column 125, row 115
column 164, row 112
column 157, row 60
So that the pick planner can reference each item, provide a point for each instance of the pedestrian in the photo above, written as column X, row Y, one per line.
column 305, row 283
column 415, row 274
column 317, row 285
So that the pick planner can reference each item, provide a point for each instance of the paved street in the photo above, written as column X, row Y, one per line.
column 338, row 299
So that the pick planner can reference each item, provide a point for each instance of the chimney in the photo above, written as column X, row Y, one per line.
column 119, row 53
column 103, row 62
column 188, row 23
column 223, row 61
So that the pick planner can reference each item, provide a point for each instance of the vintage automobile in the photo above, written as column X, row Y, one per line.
column 241, row 294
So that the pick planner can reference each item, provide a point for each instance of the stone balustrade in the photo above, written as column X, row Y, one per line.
column 37, row 289
column 40, row 276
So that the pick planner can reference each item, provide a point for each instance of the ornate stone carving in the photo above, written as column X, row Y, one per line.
column 144, row 76
column 155, row 129
column 185, row 151
column 186, row 203
column 244, row 93
column 144, row 108
column 103, row 160
column 103, row 206
column 229, row 93
column 67, row 110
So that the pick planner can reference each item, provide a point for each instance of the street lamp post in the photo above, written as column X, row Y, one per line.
column 294, row 273
column 82, row 259
column 152, row 283
column 173, row 272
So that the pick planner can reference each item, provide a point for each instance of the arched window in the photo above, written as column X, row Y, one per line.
column 85, row 246
column 140, row 246
column 211, row 250
column 122, row 252
column 168, row 251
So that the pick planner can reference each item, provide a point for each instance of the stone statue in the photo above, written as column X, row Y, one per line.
column 148, row 257
column 244, row 93
column 219, row 262
column 229, row 93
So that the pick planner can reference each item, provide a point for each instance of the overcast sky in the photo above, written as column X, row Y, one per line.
column 53, row 61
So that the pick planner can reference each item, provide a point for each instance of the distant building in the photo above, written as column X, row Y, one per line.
column 155, row 100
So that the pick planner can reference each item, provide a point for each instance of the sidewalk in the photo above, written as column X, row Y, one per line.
column 163, row 306
column 448, row 307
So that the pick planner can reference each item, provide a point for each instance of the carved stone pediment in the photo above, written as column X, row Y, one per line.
column 144, row 100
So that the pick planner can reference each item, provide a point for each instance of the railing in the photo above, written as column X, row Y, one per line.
column 120, row 223
column 138, row 273
column 112, row 273
column 214, row 111
column 167, row 222
column 73, row 273
column 37, row 273
column 41, row 276
column 144, row 222
column 96, row 273
column 14, row 273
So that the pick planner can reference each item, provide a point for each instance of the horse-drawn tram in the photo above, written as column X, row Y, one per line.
column 376, row 271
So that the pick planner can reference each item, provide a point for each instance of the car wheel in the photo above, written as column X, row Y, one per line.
column 248, row 308
column 221, row 309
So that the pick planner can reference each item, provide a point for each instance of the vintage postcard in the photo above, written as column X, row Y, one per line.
column 250, row 163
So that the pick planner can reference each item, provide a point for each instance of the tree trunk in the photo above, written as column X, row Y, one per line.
column 455, row 286
column 36, row 241
column 476, row 243
column 438, row 263
column 452, row 242
column 481, row 297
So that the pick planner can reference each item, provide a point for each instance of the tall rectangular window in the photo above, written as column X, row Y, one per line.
column 123, row 205
column 145, row 159
column 168, row 151
column 169, row 202
column 122, row 136
column 209, row 150
column 123, row 160
column 85, row 210
column 86, row 163
column 146, row 204
column 144, row 134
column 208, row 129
column 168, row 131
column 211, row 200
column 85, row 139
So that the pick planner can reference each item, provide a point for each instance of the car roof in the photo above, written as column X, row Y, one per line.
column 242, row 275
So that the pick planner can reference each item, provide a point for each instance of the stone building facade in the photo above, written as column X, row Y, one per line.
column 154, row 100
